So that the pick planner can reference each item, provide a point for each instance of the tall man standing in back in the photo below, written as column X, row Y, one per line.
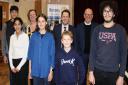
column 83, row 37
column 7, row 31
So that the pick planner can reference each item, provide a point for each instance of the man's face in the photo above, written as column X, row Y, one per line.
column 14, row 14
column 65, row 18
column 108, row 14
column 88, row 15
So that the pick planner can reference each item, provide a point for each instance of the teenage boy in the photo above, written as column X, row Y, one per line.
column 108, row 49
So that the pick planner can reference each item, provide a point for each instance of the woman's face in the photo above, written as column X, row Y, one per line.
column 32, row 16
column 17, row 26
column 41, row 23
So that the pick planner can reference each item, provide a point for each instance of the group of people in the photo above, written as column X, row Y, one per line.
column 64, row 55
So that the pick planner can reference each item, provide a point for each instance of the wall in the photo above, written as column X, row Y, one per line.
column 67, row 2
column 24, row 6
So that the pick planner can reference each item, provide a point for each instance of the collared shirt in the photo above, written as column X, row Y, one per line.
column 18, row 49
column 63, row 28
column 87, row 23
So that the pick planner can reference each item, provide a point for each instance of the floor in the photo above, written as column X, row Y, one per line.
column 4, row 74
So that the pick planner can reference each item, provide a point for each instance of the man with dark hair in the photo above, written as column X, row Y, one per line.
column 108, row 52
column 83, row 38
column 60, row 28
column 7, row 31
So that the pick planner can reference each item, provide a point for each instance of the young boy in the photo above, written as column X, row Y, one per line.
column 69, row 68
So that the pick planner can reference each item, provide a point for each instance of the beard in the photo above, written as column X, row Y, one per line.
column 108, row 21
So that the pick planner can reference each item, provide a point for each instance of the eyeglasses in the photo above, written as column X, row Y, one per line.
column 88, row 14
column 107, row 11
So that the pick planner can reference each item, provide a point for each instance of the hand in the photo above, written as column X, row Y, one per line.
column 91, row 78
column 5, row 59
column 13, row 70
column 120, row 81
column 29, row 76
column 17, row 70
column 50, row 76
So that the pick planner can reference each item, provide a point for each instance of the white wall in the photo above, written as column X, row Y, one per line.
column 24, row 6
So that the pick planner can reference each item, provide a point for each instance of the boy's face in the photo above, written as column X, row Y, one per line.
column 108, row 14
column 66, row 41
column 14, row 14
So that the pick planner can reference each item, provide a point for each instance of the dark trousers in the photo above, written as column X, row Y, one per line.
column 105, row 78
column 40, row 81
column 86, row 61
column 67, row 84
column 31, row 81
column 21, row 77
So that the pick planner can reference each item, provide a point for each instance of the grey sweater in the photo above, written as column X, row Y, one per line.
column 108, row 49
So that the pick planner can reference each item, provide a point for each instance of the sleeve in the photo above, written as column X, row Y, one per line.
column 52, row 51
column 30, row 48
column 77, row 30
column 56, row 69
column 93, row 50
column 81, row 69
column 11, row 53
column 26, row 44
column 123, row 53
column 4, row 42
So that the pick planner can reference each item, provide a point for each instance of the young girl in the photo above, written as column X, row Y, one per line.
column 18, row 50
column 41, row 53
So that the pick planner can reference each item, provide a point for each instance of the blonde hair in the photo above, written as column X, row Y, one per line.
column 67, row 33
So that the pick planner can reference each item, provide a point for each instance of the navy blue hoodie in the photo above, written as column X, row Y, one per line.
column 69, row 67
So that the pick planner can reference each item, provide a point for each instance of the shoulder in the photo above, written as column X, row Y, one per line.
column 80, row 24
column 24, row 35
column 59, row 51
column 49, row 34
column 120, row 28
column 74, row 52
column 58, row 26
column 12, row 36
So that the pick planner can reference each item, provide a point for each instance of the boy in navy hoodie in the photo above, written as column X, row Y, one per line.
column 69, row 68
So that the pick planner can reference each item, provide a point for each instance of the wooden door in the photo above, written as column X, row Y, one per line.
column 4, row 16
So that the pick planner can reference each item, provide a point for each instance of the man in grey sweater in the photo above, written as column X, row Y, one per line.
column 108, row 52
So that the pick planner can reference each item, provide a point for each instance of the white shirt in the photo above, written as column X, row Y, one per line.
column 18, row 49
column 67, row 28
column 87, row 23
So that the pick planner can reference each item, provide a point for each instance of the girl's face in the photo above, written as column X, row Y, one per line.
column 41, row 23
column 17, row 26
